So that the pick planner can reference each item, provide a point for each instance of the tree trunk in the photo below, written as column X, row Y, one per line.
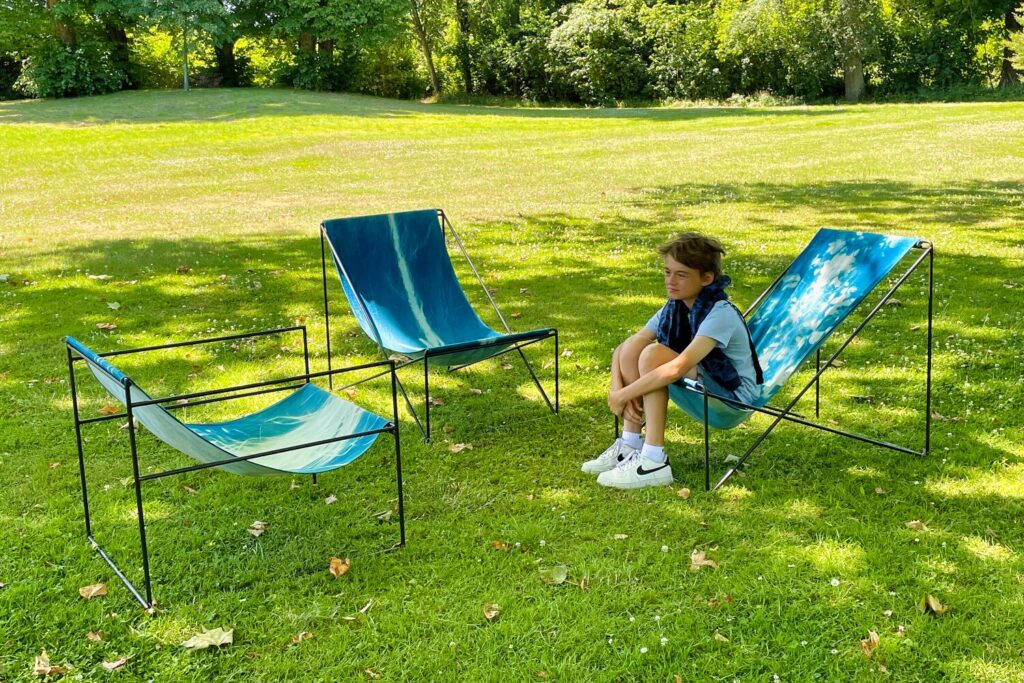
column 853, row 77
column 63, row 31
column 326, row 48
column 227, row 68
column 421, row 33
column 120, row 50
column 1008, row 75
column 307, row 42
column 462, row 45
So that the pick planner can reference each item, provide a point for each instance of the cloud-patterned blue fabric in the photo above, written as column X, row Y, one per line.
column 397, row 264
column 308, row 414
column 826, row 282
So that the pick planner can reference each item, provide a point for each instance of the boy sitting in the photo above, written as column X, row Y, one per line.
column 698, row 334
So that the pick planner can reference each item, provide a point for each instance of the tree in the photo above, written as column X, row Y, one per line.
column 419, row 11
column 855, row 27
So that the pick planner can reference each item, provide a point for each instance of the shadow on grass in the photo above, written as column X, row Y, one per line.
column 238, row 104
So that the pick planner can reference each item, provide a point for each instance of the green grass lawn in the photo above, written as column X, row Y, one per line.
column 562, row 210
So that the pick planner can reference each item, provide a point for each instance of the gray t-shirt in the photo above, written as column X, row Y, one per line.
column 724, row 325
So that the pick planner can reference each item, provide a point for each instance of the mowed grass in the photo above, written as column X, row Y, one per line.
column 562, row 211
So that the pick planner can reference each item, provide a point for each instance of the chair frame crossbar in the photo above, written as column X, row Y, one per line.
column 424, row 425
column 177, row 401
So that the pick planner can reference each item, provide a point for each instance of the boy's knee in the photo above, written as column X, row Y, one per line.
column 654, row 355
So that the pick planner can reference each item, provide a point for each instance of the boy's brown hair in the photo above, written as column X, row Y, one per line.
column 696, row 251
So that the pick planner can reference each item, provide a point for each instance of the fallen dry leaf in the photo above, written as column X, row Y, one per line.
column 385, row 516
column 257, row 528
column 683, row 493
column 54, row 465
column 507, row 366
column 370, row 673
column 868, row 645
column 567, row 353
column 930, row 603
column 698, row 561
column 331, row 499
column 93, row 591
column 434, row 401
column 916, row 525
column 113, row 305
column 516, row 314
column 459, row 447
column 94, row 636
column 554, row 576
column 448, row 429
column 42, row 668
column 499, row 545
column 212, row 638
column 720, row 638
column 106, row 326
column 183, row 269
column 476, row 392
column 584, row 583
column 110, row 409
column 298, row 638
column 338, row 566
column 351, row 393
column 115, row 665
column 491, row 611
column 879, row 490
column 188, row 489
column 620, row 537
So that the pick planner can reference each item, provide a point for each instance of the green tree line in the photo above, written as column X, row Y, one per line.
column 591, row 51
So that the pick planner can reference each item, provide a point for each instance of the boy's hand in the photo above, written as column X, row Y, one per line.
column 634, row 411
column 615, row 403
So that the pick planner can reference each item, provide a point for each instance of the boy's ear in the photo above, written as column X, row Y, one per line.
column 707, row 278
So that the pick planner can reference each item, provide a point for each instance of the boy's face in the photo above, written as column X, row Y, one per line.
column 683, row 282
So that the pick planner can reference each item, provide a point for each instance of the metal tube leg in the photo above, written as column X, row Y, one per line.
column 78, row 441
column 138, row 494
column 707, row 446
column 314, row 480
column 398, row 459
column 327, row 315
column 556, row 372
column 426, row 393
column 928, row 376
column 817, row 382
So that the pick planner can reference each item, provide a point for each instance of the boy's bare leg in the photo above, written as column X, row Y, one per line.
column 656, row 402
column 626, row 370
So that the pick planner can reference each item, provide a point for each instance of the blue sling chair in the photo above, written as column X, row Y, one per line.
column 310, row 431
column 791, row 321
column 402, row 289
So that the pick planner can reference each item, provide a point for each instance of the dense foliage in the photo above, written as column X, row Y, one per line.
column 591, row 51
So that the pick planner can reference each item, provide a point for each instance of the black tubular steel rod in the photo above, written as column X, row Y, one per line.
column 536, row 381
column 707, row 445
column 305, row 351
column 117, row 571
column 557, row 408
column 327, row 314
column 78, row 442
column 426, row 394
column 211, row 340
column 817, row 384
column 616, row 426
column 398, row 455
column 874, row 311
column 263, row 454
column 138, row 492
column 256, row 385
column 928, row 375
column 468, row 347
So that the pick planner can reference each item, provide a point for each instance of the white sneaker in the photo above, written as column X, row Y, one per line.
column 612, row 456
column 635, row 472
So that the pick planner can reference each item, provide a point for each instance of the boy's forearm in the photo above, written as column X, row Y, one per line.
column 659, row 377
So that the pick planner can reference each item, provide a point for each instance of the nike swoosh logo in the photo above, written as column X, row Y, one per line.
column 619, row 458
column 641, row 471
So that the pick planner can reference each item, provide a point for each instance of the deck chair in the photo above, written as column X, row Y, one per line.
column 309, row 432
column 401, row 287
column 791, row 321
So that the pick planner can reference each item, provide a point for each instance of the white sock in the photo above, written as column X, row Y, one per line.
column 632, row 439
column 653, row 453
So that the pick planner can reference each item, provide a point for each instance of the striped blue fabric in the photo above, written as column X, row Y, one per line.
column 826, row 282
column 306, row 415
column 403, row 291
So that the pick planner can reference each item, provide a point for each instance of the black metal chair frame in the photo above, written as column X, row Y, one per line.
column 446, row 227
column 787, row 414
column 212, row 396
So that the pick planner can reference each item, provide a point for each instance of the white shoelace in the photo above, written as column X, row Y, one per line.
column 628, row 460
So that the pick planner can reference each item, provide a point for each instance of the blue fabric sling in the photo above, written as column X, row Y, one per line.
column 677, row 325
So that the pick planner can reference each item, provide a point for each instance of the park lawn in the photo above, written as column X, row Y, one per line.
column 200, row 212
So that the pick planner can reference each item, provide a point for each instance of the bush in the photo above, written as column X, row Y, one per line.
column 58, row 70
column 10, row 69
column 599, row 54
column 684, row 60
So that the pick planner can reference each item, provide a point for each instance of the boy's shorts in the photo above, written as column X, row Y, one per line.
column 714, row 387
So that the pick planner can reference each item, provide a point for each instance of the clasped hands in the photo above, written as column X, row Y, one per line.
column 628, row 409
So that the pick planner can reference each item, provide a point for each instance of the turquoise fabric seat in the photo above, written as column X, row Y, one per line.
column 827, row 281
column 306, row 415
column 402, row 289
